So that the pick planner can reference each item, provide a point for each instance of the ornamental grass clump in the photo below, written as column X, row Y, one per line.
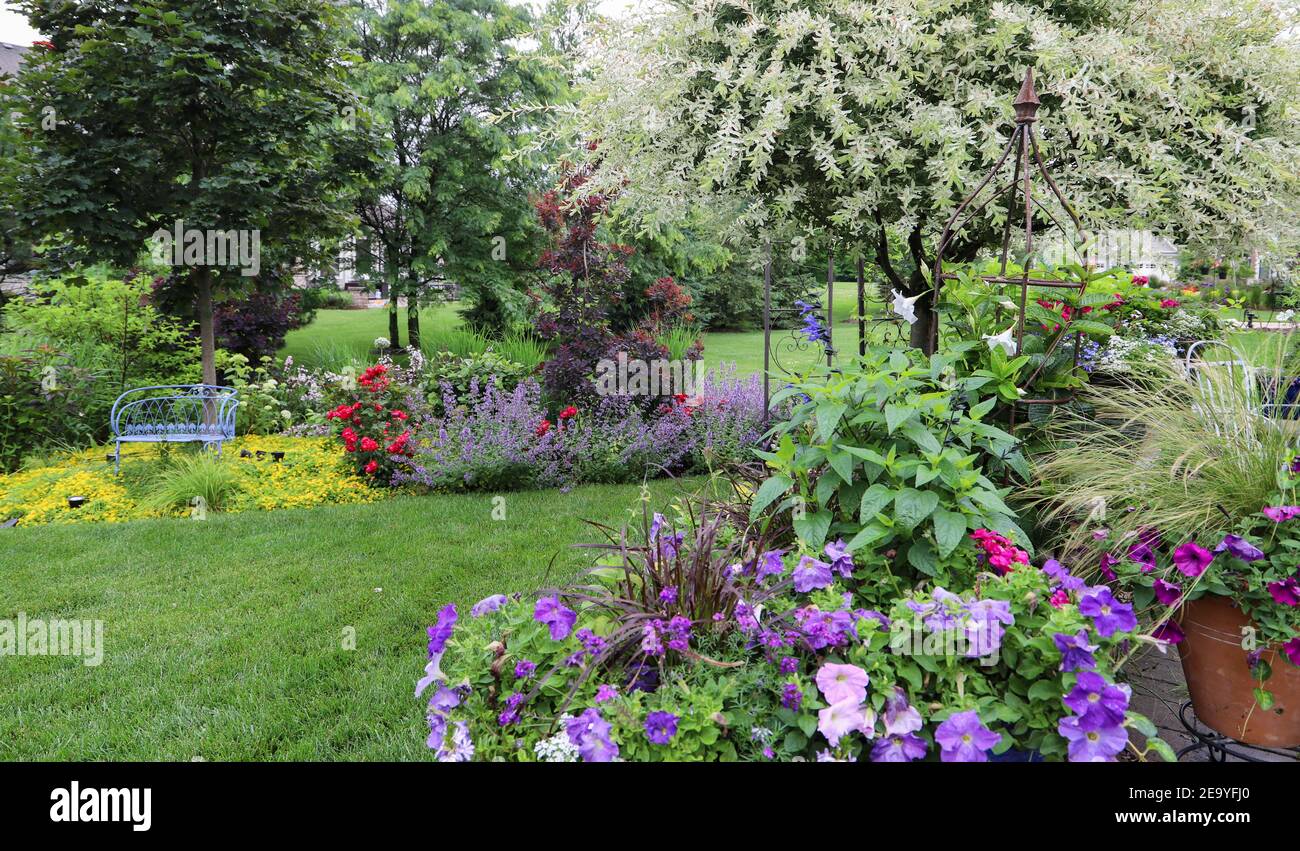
column 1189, row 459
column 195, row 479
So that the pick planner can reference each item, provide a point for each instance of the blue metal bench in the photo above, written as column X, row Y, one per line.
column 178, row 413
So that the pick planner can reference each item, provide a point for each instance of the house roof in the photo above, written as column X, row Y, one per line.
column 11, row 56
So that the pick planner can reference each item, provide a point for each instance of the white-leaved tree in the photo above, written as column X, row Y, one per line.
column 860, row 119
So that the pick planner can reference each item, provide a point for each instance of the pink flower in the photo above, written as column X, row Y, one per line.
column 1291, row 650
column 1192, row 560
column 1281, row 513
column 1168, row 593
column 839, row 683
column 1169, row 303
column 1169, row 631
column 1060, row 597
column 1286, row 592
column 840, row 719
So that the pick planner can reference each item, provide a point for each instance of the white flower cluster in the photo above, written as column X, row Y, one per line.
column 558, row 748
column 1186, row 325
column 1120, row 354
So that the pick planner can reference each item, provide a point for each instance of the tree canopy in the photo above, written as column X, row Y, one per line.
column 223, row 115
column 859, row 119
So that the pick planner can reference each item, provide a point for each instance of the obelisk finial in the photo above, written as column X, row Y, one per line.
column 1026, row 102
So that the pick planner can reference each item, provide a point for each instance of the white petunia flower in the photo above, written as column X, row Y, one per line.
column 905, row 307
column 1003, row 340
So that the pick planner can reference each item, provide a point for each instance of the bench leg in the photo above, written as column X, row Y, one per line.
column 117, row 459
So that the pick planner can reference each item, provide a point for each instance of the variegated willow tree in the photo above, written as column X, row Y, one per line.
column 867, row 122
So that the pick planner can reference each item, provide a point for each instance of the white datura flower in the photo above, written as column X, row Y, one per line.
column 905, row 307
column 1003, row 341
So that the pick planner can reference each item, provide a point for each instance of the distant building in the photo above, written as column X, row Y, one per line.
column 11, row 58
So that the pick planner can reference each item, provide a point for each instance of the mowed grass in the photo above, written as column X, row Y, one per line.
column 356, row 330
column 225, row 639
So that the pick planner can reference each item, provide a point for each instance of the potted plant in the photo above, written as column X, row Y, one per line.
column 1185, row 498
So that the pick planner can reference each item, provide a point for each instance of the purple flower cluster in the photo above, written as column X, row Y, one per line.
column 589, row 733
column 660, row 727
column 658, row 636
column 979, row 624
column 962, row 737
column 491, row 438
column 1095, row 731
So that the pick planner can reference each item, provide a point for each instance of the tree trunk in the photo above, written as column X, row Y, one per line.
column 207, row 336
column 394, row 330
column 923, row 329
column 412, row 321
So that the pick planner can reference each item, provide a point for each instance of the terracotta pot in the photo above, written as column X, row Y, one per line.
column 1219, row 679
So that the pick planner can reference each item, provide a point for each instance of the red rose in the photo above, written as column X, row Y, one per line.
column 368, row 445
column 568, row 413
column 371, row 467
column 543, row 427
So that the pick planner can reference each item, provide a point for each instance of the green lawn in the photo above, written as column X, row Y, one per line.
column 223, row 639
column 356, row 330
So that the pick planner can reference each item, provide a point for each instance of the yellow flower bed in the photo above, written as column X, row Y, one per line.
column 312, row 473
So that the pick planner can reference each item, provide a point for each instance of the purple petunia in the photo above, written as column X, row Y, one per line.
column 1063, row 577
column 901, row 717
column 839, row 683
column 1106, row 566
column 841, row 559
column 488, row 605
column 1239, row 547
column 963, row 738
column 559, row 617
column 769, row 564
column 1097, row 702
column 812, row 574
column 605, row 693
column 1169, row 631
column 441, row 631
column 1168, row 593
column 1281, row 513
column 1108, row 614
column 1090, row 741
column 904, row 747
column 660, row 727
column 589, row 732
column 1076, row 652
column 1191, row 559
column 1286, row 592
column 1142, row 553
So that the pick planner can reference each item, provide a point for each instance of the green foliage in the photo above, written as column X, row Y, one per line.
column 47, row 402
column 198, row 479
column 479, row 370
column 230, row 115
column 445, row 83
column 891, row 452
column 111, row 324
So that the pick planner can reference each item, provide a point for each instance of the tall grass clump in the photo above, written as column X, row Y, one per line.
column 334, row 356
column 1187, row 456
column 194, row 475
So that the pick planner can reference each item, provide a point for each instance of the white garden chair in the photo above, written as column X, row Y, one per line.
column 1225, row 387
